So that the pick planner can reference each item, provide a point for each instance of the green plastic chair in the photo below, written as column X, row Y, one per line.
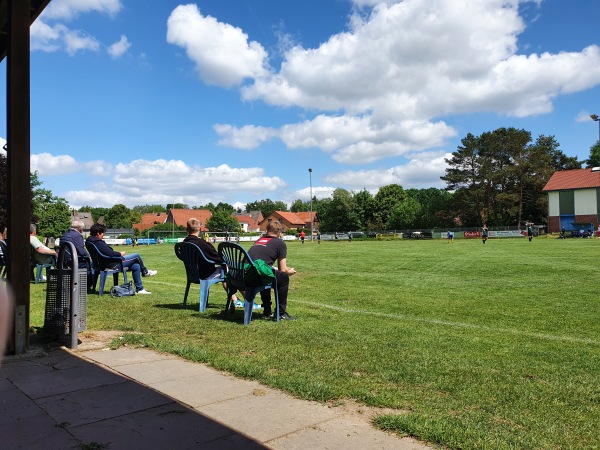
column 192, row 257
column 238, row 264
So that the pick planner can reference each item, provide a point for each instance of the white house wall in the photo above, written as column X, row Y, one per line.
column 585, row 202
column 553, row 204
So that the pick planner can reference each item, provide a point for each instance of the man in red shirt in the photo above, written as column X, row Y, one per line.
column 302, row 236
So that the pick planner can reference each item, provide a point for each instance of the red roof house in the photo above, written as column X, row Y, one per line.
column 181, row 216
column 573, row 199
column 149, row 220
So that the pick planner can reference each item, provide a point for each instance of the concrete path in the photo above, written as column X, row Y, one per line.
column 141, row 399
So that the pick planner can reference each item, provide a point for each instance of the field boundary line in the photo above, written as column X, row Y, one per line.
column 405, row 317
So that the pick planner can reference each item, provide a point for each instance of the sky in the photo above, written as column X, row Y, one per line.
column 153, row 102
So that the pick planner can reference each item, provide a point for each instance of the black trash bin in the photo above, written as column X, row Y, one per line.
column 66, row 297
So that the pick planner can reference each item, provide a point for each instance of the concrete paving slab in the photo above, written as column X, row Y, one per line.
column 283, row 414
column 159, row 428
column 162, row 370
column 23, row 424
column 21, row 368
column 69, row 379
column 213, row 387
column 342, row 434
column 125, row 356
column 100, row 403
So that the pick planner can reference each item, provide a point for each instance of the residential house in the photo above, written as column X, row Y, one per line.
column 181, row 216
column 149, row 220
column 286, row 219
column 573, row 199
column 85, row 217
column 247, row 222
column 309, row 218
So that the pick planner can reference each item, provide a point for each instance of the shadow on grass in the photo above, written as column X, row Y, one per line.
column 213, row 312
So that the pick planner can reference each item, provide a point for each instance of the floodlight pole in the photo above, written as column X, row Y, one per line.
column 595, row 118
column 311, row 213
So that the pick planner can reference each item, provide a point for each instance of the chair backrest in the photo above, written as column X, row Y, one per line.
column 237, row 260
column 192, row 256
column 99, row 260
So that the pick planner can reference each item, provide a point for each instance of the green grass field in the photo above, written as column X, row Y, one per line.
column 491, row 346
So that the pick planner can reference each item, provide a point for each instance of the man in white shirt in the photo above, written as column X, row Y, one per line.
column 43, row 255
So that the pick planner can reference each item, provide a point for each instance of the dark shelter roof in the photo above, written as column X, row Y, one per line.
column 37, row 6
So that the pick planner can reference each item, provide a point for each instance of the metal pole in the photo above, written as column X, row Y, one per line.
column 311, row 209
column 595, row 118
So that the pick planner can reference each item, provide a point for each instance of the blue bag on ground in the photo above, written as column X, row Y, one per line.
column 123, row 290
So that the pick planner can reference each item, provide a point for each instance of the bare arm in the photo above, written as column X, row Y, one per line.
column 282, row 266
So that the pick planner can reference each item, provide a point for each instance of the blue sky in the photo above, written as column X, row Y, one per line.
column 150, row 102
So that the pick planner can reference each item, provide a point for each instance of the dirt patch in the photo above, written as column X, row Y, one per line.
column 96, row 340
column 352, row 408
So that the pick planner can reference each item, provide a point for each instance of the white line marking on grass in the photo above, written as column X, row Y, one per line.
column 549, row 337
column 167, row 284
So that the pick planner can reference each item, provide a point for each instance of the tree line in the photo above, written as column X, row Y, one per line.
column 495, row 178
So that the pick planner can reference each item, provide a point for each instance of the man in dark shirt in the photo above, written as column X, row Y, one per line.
column 206, row 270
column 73, row 235
column 271, row 248
column 132, row 262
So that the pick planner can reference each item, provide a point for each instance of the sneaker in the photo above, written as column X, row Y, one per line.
column 151, row 273
column 284, row 316
column 143, row 292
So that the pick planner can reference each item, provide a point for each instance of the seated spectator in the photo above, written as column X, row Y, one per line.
column 43, row 255
column 271, row 248
column 206, row 270
column 74, row 236
column 132, row 262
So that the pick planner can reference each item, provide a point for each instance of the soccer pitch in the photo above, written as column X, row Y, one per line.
column 475, row 346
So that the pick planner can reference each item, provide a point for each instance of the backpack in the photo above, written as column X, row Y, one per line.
column 123, row 290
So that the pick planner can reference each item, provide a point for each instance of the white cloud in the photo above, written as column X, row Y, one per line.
column 583, row 116
column 49, row 33
column 70, row 9
column 159, row 181
column 319, row 192
column 378, row 88
column 247, row 137
column 47, row 164
column 350, row 140
column 422, row 171
column 119, row 48
column 222, row 54
column 76, row 40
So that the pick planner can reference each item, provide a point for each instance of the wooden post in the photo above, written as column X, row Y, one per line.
column 18, row 159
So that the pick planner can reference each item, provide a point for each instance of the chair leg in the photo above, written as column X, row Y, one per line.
column 204, row 289
column 95, row 280
column 277, row 315
column 187, row 291
column 102, row 281
column 38, row 273
column 227, row 305
column 249, row 305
